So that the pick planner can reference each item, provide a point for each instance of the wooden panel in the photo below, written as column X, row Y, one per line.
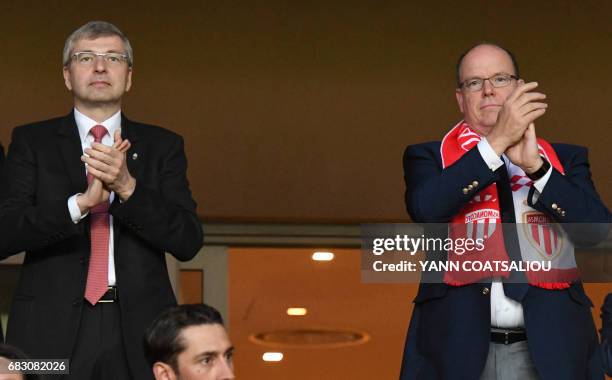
column 266, row 281
column 300, row 111
column 191, row 286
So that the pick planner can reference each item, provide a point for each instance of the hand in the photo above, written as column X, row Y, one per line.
column 520, row 109
column 93, row 196
column 96, row 192
column 108, row 164
column 525, row 154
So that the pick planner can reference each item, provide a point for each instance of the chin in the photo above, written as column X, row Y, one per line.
column 102, row 98
column 482, row 129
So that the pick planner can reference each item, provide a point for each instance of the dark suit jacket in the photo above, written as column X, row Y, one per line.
column 1, row 162
column 449, row 333
column 43, row 169
column 606, row 333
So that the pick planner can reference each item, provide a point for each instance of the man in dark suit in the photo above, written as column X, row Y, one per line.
column 606, row 333
column 493, row 329
column 1, row 162
column 94, row 219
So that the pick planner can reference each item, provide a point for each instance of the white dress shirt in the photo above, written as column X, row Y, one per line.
column 84, row 125
column 506, row 312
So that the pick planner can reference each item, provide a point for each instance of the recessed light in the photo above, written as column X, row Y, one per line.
column 323, row 256
column 297, row 311
column 272, row 356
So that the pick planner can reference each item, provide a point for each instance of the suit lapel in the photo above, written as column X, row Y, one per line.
column 504, row 194
column 129, row 131
column 71, row 151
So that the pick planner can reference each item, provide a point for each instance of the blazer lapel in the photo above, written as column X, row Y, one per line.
column 504, row 194
column 133, row 156
column 128, row 131
column 71, row 151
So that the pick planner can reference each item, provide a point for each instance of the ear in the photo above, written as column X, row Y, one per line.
column 66, row 73
column 460, row 100
column 163, row 371
column 128, row 83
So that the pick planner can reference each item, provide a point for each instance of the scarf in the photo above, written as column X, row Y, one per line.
column 540, row 239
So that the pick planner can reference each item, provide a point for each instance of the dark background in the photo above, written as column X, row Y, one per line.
column 300, row 111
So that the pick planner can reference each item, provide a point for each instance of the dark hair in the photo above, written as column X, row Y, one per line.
column 460, row 60
column 162, row 340
column 13, row 353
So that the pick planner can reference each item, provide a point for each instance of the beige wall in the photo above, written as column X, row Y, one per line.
column 300, row 111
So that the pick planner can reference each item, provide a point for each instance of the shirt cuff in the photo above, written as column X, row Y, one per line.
column 489, row 156
column 75, row 211
column 539, row 185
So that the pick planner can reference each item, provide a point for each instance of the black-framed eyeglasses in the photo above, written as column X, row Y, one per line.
column 497, row 81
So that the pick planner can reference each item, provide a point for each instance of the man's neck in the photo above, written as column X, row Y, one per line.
column 97, row 112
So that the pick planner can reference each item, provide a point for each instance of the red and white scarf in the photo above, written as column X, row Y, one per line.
column 540, row 238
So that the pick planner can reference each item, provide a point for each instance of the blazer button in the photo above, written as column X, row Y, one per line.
column 563, row 213
column 475, row 183
column 470, row 187
column 465, row 190
column 554, row 206
column 485, row 290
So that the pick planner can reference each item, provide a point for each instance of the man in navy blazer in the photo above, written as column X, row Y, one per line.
column 606, row 333
column 491, row 329
column 1, row 162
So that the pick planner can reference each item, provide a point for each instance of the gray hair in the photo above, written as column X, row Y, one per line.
column 95, row 29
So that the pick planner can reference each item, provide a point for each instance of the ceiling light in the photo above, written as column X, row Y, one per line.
column 272, row 356
column 297, row 311
column 323, row 256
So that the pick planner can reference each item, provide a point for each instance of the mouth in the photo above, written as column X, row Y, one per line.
column 488, row 106
column 100, row 83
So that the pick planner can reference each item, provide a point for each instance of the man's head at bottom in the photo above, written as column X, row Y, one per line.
column 189, row 342
column 8, row 354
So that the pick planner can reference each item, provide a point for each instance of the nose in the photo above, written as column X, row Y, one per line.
column 99, row 64
column 226, row 371
column 487, row 88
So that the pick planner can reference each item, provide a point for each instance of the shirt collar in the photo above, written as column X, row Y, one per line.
column 85, row 124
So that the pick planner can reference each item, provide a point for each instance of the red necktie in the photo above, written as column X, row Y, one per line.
column 97, row 276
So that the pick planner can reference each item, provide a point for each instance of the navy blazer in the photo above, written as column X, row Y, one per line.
column 449, row 333
column 1, row 162
column 606, row 333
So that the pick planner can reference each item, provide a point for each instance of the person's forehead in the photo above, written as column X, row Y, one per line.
column 99, row 44
column 3, row 364
column 205, row 338
column 484, row 61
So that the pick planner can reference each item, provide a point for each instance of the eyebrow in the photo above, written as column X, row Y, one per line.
column 108, row 51
column 496, row 74
column 213, row 353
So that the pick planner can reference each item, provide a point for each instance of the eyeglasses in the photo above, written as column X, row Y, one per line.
column 87, row 58
column 497, row 81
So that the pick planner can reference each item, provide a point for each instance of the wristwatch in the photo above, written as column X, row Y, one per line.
column 540, row 172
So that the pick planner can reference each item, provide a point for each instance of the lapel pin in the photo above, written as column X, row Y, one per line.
column 135, row 156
